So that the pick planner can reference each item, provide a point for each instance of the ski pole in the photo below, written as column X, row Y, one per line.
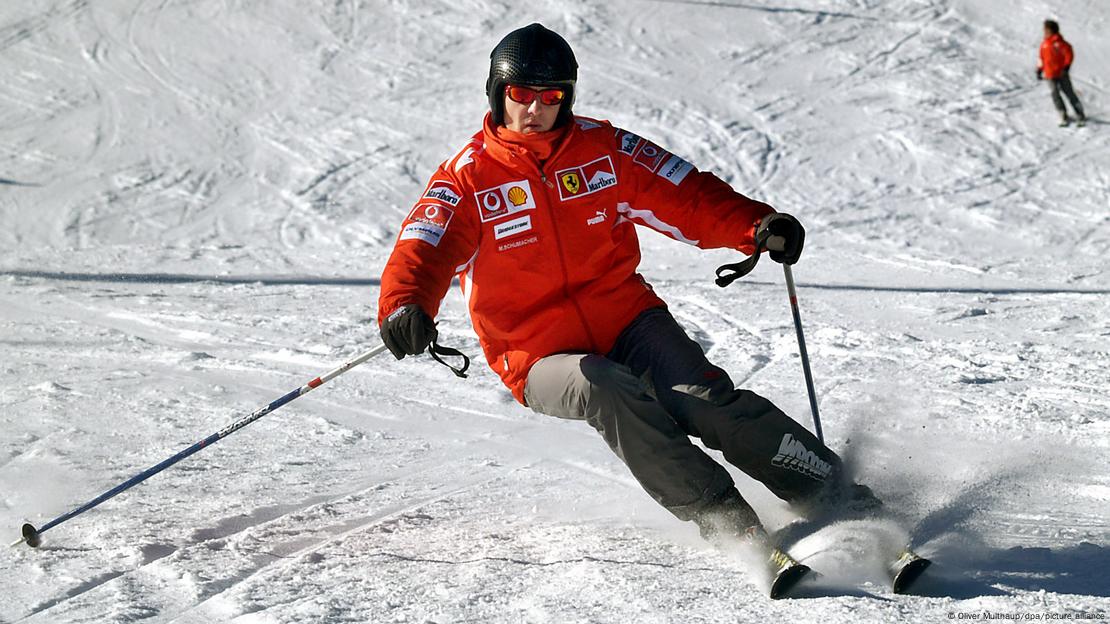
column 729, row 273
column 32, row 536
column 802, row 350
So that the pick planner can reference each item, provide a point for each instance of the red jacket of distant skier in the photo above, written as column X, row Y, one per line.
column 1056, row 56
column 547, row 256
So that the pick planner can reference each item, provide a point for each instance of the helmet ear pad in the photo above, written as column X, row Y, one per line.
column 565, row 114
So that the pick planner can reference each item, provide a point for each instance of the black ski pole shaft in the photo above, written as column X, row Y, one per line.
column 32, row 536
column 802, row 350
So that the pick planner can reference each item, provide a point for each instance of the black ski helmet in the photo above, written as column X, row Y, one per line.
column 532, row 56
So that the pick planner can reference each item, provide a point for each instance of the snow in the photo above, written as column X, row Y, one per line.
column 197, row 198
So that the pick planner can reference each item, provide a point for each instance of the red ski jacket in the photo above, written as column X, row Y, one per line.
column 1056, row 56
column 547, row 256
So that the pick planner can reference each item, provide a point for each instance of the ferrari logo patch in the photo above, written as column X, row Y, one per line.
column 584, row 179
column 571, row 182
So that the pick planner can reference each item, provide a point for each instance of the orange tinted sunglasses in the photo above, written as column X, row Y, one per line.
column 526, row 95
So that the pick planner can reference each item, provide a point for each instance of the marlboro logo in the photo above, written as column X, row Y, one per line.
column 443, row 194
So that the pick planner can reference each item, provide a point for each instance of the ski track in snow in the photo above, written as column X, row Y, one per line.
column 197, row 199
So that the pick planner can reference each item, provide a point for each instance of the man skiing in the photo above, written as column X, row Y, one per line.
column 537, row 217
column 1055, row 66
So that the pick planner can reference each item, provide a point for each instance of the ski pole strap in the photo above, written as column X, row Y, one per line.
column 436, row 350
column 729, row 273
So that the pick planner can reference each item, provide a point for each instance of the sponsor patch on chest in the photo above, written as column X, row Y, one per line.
column 511, row 227
column 503, row 200
column 427, row 222
column 583, row 180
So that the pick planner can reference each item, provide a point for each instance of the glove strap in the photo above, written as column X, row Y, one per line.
column 729, row 273
column 437, row 350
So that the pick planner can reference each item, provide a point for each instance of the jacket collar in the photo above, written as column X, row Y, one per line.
column 516, row 156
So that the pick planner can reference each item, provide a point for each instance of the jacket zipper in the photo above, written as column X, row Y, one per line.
column 558, row 240
column 562, row 254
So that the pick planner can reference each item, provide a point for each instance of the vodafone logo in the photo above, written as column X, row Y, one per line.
column 491, row 202
column 432, row 214
column 428, row 223
column 650, row 156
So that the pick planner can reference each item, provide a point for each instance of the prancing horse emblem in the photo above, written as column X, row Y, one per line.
column 571, row 182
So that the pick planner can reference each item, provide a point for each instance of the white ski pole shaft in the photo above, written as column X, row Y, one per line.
column 31, row 535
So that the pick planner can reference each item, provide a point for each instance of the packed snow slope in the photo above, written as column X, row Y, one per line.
column 197, row 198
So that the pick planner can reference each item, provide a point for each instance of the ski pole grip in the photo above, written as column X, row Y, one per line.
column 776, row 243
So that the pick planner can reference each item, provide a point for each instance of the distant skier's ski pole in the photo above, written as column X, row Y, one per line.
column 802, row 350
column 31, row 535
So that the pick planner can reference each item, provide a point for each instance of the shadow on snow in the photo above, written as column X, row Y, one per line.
column 184, row 278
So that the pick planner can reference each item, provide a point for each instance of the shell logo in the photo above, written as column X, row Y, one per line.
column 517, row 196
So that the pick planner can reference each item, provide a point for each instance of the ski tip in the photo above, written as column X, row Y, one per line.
column 787, row 580
column 31, row 536
column 910, row 573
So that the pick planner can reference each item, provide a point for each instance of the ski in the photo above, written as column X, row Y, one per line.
column 905, row 569
column 786, row 572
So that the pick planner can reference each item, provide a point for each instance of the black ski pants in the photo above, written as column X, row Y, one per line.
column 653, row 391
column 1062, row 84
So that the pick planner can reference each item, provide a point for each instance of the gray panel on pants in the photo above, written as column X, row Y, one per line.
column 654, row 390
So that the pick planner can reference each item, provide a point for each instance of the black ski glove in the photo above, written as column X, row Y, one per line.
column 787, row 228
column 1040, row 74
column 408, row 331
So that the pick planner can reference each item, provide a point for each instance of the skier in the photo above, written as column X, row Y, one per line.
column 1055, row 66
column 536, row 215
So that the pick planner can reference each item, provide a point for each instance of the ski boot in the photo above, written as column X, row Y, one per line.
column 840, row 500
column 733, row 519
